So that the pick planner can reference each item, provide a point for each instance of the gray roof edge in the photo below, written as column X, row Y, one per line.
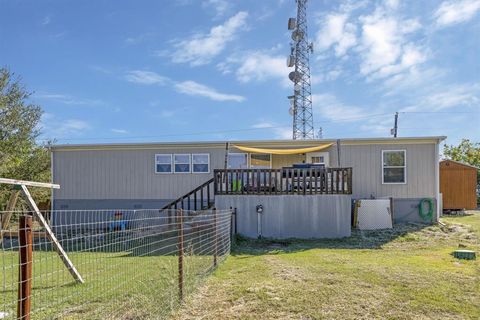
column 437, row 139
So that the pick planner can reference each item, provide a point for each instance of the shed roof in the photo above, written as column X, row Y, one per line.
column 460, row 163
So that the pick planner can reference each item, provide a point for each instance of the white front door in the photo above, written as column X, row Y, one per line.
column 321, row 158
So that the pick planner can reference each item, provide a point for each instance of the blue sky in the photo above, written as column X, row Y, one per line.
column 119, row 71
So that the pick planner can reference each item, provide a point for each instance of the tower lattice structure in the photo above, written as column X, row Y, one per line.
column 299, row 58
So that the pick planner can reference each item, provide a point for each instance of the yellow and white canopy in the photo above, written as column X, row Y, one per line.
column 284, row 151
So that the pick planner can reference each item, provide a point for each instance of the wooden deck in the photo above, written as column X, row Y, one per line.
column 297, row 181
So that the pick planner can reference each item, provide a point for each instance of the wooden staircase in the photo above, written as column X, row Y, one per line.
column 200, row 198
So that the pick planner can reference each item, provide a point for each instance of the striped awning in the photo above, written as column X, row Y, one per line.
column 284, row 151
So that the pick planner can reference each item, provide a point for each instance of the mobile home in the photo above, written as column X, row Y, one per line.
column 156, row 175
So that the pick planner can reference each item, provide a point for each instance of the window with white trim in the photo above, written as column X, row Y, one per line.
column 260, row 160
column 163, row 163
column 394, row 166
column 200, row 163
column 237, row 161
column 181, row 163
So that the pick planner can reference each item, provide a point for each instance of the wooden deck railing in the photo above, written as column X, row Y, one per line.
column 283, row 181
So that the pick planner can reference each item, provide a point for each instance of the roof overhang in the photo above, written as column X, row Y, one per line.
column 250, row 143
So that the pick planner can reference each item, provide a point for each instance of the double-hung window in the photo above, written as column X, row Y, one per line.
column 163, row 163
column 394, row 167
column 237, row 161
column 181, row 163
column 200, row 163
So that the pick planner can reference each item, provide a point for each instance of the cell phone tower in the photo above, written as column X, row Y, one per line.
column 301, row 100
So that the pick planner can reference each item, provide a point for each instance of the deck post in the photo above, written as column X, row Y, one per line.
column 25, row 268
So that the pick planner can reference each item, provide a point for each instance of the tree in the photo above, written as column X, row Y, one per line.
column 466, row 152
column 20, row 155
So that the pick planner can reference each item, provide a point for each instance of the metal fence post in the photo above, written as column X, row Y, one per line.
column 233, row 223
column 180, row 253
column 215, row 252
column 25, row 268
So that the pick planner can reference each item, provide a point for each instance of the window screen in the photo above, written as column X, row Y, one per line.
column 394, row 166
column 201, row 163
column 163, row 163
column 182, row 163
column 237, row 161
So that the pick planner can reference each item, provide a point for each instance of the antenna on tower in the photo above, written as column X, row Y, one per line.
column 320, row 133
column 301, row 101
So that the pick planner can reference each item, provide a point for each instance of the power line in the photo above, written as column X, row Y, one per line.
column 247, row 129
column 213, row 132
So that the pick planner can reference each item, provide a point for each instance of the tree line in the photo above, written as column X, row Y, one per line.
column 21, row 155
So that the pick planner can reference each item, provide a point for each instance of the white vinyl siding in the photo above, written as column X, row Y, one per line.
column 130, row 174
column 163, row 163
column 394, row 167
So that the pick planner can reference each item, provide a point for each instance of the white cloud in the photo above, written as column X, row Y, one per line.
column 221, row 7
column 200, row 49
column 280, row 132
column 68, row 99
column 392, row 4
column 451, row 96
column 145, row 77
column 415, row 78
column 46, row 20
column 189, row 87
column 74, row 125
column 382, row 41
column 336, row 32
column 166, row 114
column 263, row 125
column 52, row 127
column 326, row 75
column 454, row 12
column 329, row 107
column 410, row 57
column 137, row 39
column 120, row 131
column 385, row 48
column 196, row 89
column 259, row 66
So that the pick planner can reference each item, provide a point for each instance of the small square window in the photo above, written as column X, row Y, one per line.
column 237, row 161
column 163, row 163
column 201, row 163
column 394, row 167
column 182, row 163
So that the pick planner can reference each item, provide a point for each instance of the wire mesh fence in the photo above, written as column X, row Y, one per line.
column 135, row 264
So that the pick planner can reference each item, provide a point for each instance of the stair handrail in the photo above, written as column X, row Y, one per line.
column 190, row 193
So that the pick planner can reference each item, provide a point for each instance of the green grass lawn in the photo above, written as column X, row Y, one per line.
column 405, row 273
column 118, row 284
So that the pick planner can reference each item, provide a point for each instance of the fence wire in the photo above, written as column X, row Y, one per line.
column 135, row 264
